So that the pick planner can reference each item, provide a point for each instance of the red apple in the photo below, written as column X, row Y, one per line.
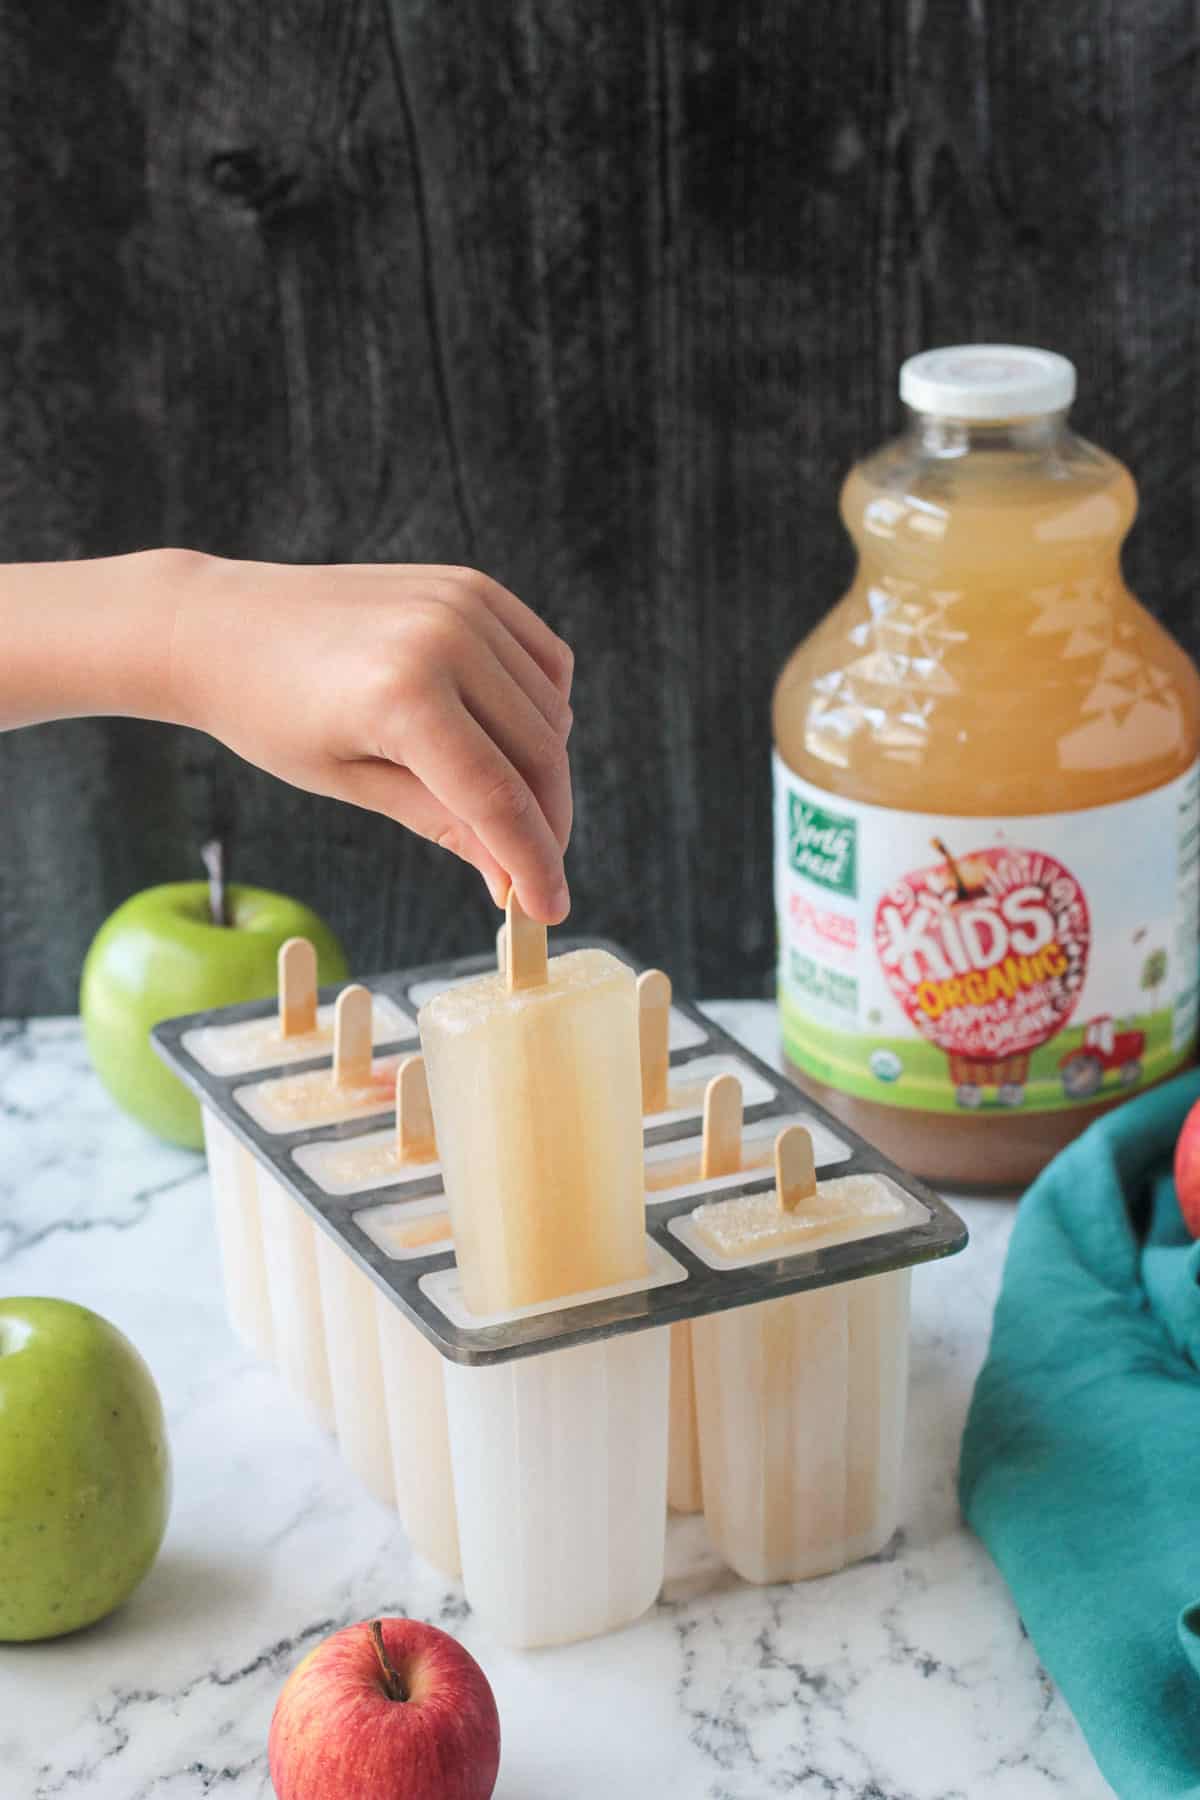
column 394, row 1709
column 1187, row 1170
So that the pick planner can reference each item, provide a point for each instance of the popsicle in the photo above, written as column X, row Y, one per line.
column 415, row 1399
column 239, row 1235
column 533, row 1076
column 361, row 1408
column 306, row 1031
column 670, row 1093
column 353, row 1088
column 355, row 1367
column 420, row 1234
column 560, row 1468
column 672, row 1166
column 686, row 1033
column 800, row 1401
column 231, row 1167
column 654, row 1038
column 290, row 1235
column 407, row 1152
column 720, row 1155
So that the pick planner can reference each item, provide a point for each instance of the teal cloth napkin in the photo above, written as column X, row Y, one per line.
column 1081, row 1458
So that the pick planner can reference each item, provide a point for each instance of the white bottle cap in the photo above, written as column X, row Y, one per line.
column 987, row 381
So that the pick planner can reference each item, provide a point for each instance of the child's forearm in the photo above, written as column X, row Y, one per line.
column 89, row 637
column 426, row 693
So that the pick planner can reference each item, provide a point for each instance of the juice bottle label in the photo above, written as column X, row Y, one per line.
column 948, row 963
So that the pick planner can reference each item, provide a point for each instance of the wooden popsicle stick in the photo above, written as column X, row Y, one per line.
column 414, row 1115
column 654, row 1037
column 795, row 1180
column 297, row 987
column 721, row 1147
column 502, row 950
column 526, row 940
column 352, row 1038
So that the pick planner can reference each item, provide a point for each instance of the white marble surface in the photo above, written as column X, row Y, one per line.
column 907, row 1678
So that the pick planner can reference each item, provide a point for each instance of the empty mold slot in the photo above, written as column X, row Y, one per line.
column 341, row 1166
column 444, row 1290
column 751, row 1228
column 673, row 1170
column 407, row 1229
column 253, row 1044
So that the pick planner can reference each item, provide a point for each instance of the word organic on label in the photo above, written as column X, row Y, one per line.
column 943, row 963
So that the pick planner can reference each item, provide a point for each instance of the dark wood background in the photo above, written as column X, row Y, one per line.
column 602, row 299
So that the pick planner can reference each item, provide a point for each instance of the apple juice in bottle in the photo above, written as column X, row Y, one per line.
column 987, row 804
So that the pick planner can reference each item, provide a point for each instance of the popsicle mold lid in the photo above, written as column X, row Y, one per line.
column 932, row 1231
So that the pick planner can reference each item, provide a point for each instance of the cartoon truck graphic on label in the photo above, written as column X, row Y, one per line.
column 1103, row 1049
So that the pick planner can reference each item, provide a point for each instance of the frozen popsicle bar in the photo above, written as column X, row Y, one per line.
column 290, row 1236
column 239, row 1235
column 720, row 1152
column 673, row 1093
column 231, row 1167
column 560, row 1466
column 286, row 1103
column 290, row 1248
column 415, row 1397
column 678, row 1165
column 407, row 1228
column 253, row 1044
column 537, row 1107
column 381, row 1158
column 685, row 1033
column 352, row 1087
column 355, row 1368
column 688, row 1082
column 685, row 1490
column 419, row 1234
column 753, row 1225
column 800, row 1401
column 801, row 1405
column 297, row 1030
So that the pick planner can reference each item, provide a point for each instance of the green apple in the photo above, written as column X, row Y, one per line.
column 159, row 955
column 84, row 1468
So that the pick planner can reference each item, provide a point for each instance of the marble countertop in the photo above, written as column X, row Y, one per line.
column 906, row 1678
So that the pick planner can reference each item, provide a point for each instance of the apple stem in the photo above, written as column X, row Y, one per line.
column 393, row 1687
column 213, row 858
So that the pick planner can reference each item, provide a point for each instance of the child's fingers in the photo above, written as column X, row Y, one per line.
column 549, row 652
column 464, row 768
column 550, row 701
column 516, row 725
column 397, row 793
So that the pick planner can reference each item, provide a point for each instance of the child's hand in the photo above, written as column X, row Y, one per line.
column 429, row 694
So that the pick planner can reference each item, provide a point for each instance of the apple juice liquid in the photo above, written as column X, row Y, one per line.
column 987, row 810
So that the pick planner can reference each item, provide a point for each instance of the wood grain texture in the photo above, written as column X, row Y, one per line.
column 603, row 300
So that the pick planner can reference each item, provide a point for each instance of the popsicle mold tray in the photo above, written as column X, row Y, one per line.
column 389, row 1222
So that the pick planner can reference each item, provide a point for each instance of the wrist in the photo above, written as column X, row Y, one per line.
column 122, row 635
column 175, row 593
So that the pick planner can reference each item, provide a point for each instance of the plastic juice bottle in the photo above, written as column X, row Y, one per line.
column 987, row 805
